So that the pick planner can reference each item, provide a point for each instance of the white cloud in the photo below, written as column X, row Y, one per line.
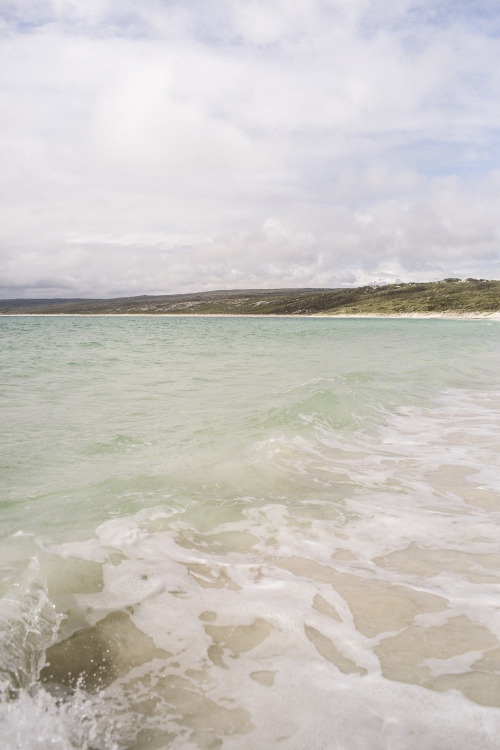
column 169, row 146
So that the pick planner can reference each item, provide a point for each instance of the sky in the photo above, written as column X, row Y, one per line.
column 169, row 146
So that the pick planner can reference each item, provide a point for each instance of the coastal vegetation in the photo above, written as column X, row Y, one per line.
column 450, row 296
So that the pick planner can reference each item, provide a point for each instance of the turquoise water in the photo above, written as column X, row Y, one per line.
column 246, row 532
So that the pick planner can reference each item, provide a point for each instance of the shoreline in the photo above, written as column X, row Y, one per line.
column 408, row 316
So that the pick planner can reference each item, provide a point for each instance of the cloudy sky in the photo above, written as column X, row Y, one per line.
column 182, row 145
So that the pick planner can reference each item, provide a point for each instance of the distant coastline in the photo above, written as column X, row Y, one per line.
column 450, row 298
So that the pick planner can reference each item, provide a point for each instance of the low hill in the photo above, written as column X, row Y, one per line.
column 448, row 296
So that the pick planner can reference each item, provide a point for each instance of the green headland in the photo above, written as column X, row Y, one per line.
column 450, row 296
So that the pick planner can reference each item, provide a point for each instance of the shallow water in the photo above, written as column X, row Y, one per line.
column 243, row 532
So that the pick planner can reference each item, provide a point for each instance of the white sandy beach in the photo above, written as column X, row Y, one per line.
column 416, row 315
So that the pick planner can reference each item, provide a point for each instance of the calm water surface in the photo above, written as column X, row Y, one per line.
column 249, row 533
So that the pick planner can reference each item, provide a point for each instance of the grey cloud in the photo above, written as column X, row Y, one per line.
column 160, row 147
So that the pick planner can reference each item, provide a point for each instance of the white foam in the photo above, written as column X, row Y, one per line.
column 40, row 721
column 224, row 614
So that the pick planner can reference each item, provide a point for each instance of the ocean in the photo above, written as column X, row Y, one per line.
column 231, row 532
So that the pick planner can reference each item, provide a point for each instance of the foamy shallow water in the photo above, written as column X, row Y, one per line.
column 251, row 533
